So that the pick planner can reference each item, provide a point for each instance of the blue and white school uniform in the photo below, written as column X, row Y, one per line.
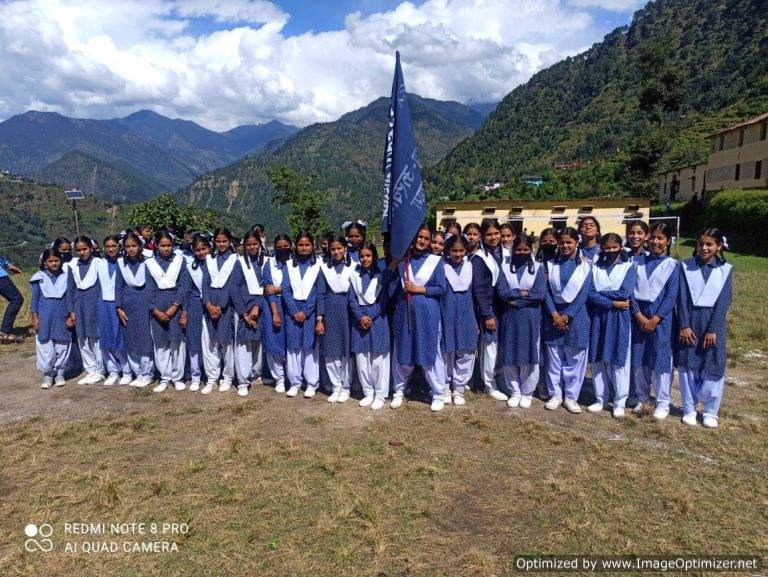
column 332, row 303
column 368, row 295
column 611, row 331
column 221, row 277
column 52, row 303
column 485, row 270
column 86, row 290
column 132, row 296
column 460, row 332
column 704, row 297
column 420, row 344
column 592, row 253
column 274, row 339
column 658, row 280
column 354, row 254
column 111, row 338
column 193, row 305
column 569, row 283
column 165, row 280
column 248, row 294
column 520, row 330
column 300, row 295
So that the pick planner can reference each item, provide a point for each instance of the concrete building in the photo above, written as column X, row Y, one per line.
column 536, row 215
column 738, row 158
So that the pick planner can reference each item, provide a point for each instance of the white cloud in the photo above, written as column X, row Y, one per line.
column 612, row 5
column 107, row 59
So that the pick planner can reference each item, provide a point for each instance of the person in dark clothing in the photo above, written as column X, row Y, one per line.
column 10, row 293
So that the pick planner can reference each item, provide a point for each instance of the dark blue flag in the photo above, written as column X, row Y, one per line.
column 404, row 202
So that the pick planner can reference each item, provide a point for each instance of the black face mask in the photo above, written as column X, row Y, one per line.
column 548, row 250
column 66, row 256
column 520, row 259
column 282, row 254
column 609, row 256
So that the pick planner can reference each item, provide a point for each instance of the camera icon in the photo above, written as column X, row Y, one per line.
column 43, row 544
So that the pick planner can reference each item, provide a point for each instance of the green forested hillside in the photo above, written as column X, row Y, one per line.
column 587, row 107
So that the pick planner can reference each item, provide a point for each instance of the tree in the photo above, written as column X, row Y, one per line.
column 295, row 191
column 164, row 210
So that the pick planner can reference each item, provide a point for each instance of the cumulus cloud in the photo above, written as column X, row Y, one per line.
column 108, row 59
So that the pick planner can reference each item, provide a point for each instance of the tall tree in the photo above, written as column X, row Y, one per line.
column 295, row 191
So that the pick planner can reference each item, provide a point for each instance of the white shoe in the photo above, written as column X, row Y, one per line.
column 111, row 380
column 366, row 401
column 47, row 383
column 293, row 391
column 661, row 413
column 709, row 422
column 397, row 401
column 638, row 408
column 141, row 382
column 208, row 388
column 572, row 406
column 309, row 392
column 513, row 402
column 459, row 400
column 84, row 380
column 553, row 403
column 179, row 385
column 194, row 386
column 437, row 404
column 377, row 403
column 619, row 412
column 496, row 394
column 94, row 378
column 160, row 387
column 595, row 407
column 690, row 419
column 525, row 402
column 242, row 391
column 280, row 388
column 60, row 382
column 343, row 396
column 126, row 379
column 447, row 396
column 334, row 397
column 224, row 386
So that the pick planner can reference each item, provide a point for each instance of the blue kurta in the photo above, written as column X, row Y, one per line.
column 520, row 331
column 590, row 252
column 244, row 301
column 703, row 320
column 611, row 327
column 377, row 338
column 163, row 334
column 221, row 331
column 274, row 340
column 135, row 303
column 460, row 329
column 334, row 307
column 654, row 350
column 421, row 345
column 110, row 329
column 52, row 313
column 577, row 334
column 487, row 303
column 86, row 302
column 299, row 336
column 193, row 304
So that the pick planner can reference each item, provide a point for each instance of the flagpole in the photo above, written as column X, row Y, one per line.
column 408, row 295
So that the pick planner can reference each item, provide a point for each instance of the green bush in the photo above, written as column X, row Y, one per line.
column 743, row 216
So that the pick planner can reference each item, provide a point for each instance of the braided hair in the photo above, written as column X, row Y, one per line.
column 254, row 234
column 719, row 237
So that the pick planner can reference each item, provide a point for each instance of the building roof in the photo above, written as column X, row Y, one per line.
column 747, row 122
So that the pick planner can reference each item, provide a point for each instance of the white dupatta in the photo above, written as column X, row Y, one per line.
column 704, row 294
column 648, row 288
column 302, row 286
column 365, row 297
column 220, row 276
column 251, row 278
column 569, row 292
column 338, row 282
column 51, row 289
column 166, row 279
column 524, row 282
column 90, row 278
column 459, row 282
column 425, row 272
column 605, row 281
column 132, row 281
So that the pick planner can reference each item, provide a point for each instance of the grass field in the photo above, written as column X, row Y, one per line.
column 277, row 486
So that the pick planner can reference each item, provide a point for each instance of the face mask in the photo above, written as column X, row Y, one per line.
column 282, row 254
column 66, row 256
column 519, row 259
column 609, row 256
column 548, row 250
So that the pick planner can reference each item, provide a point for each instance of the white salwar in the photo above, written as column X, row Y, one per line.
column 373, row 374
column 459, row 366
column 52, row 357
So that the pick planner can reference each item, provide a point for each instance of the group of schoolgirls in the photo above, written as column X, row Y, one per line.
column 625, row 307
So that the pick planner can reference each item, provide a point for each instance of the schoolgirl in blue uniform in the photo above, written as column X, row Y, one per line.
column 192, row 314
column 273, row 319
column 110, row 329
column 589, row 233
column 522, row 287
column 355, row 233
column 249, row 305
column 52, row 318
column 333, row 319
column 566, row 326
column 368, row 298
column 486, row 266
column 637, row 236
column 221, row 276
column 437, row 245
column 84, row 285
column 473, row 236
column 133, row 308
column 653, row 306
column 460, row 331
column 416, row 321
column 165, row 282
column 300, row 301
column 704, row 297
column 613, row 285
